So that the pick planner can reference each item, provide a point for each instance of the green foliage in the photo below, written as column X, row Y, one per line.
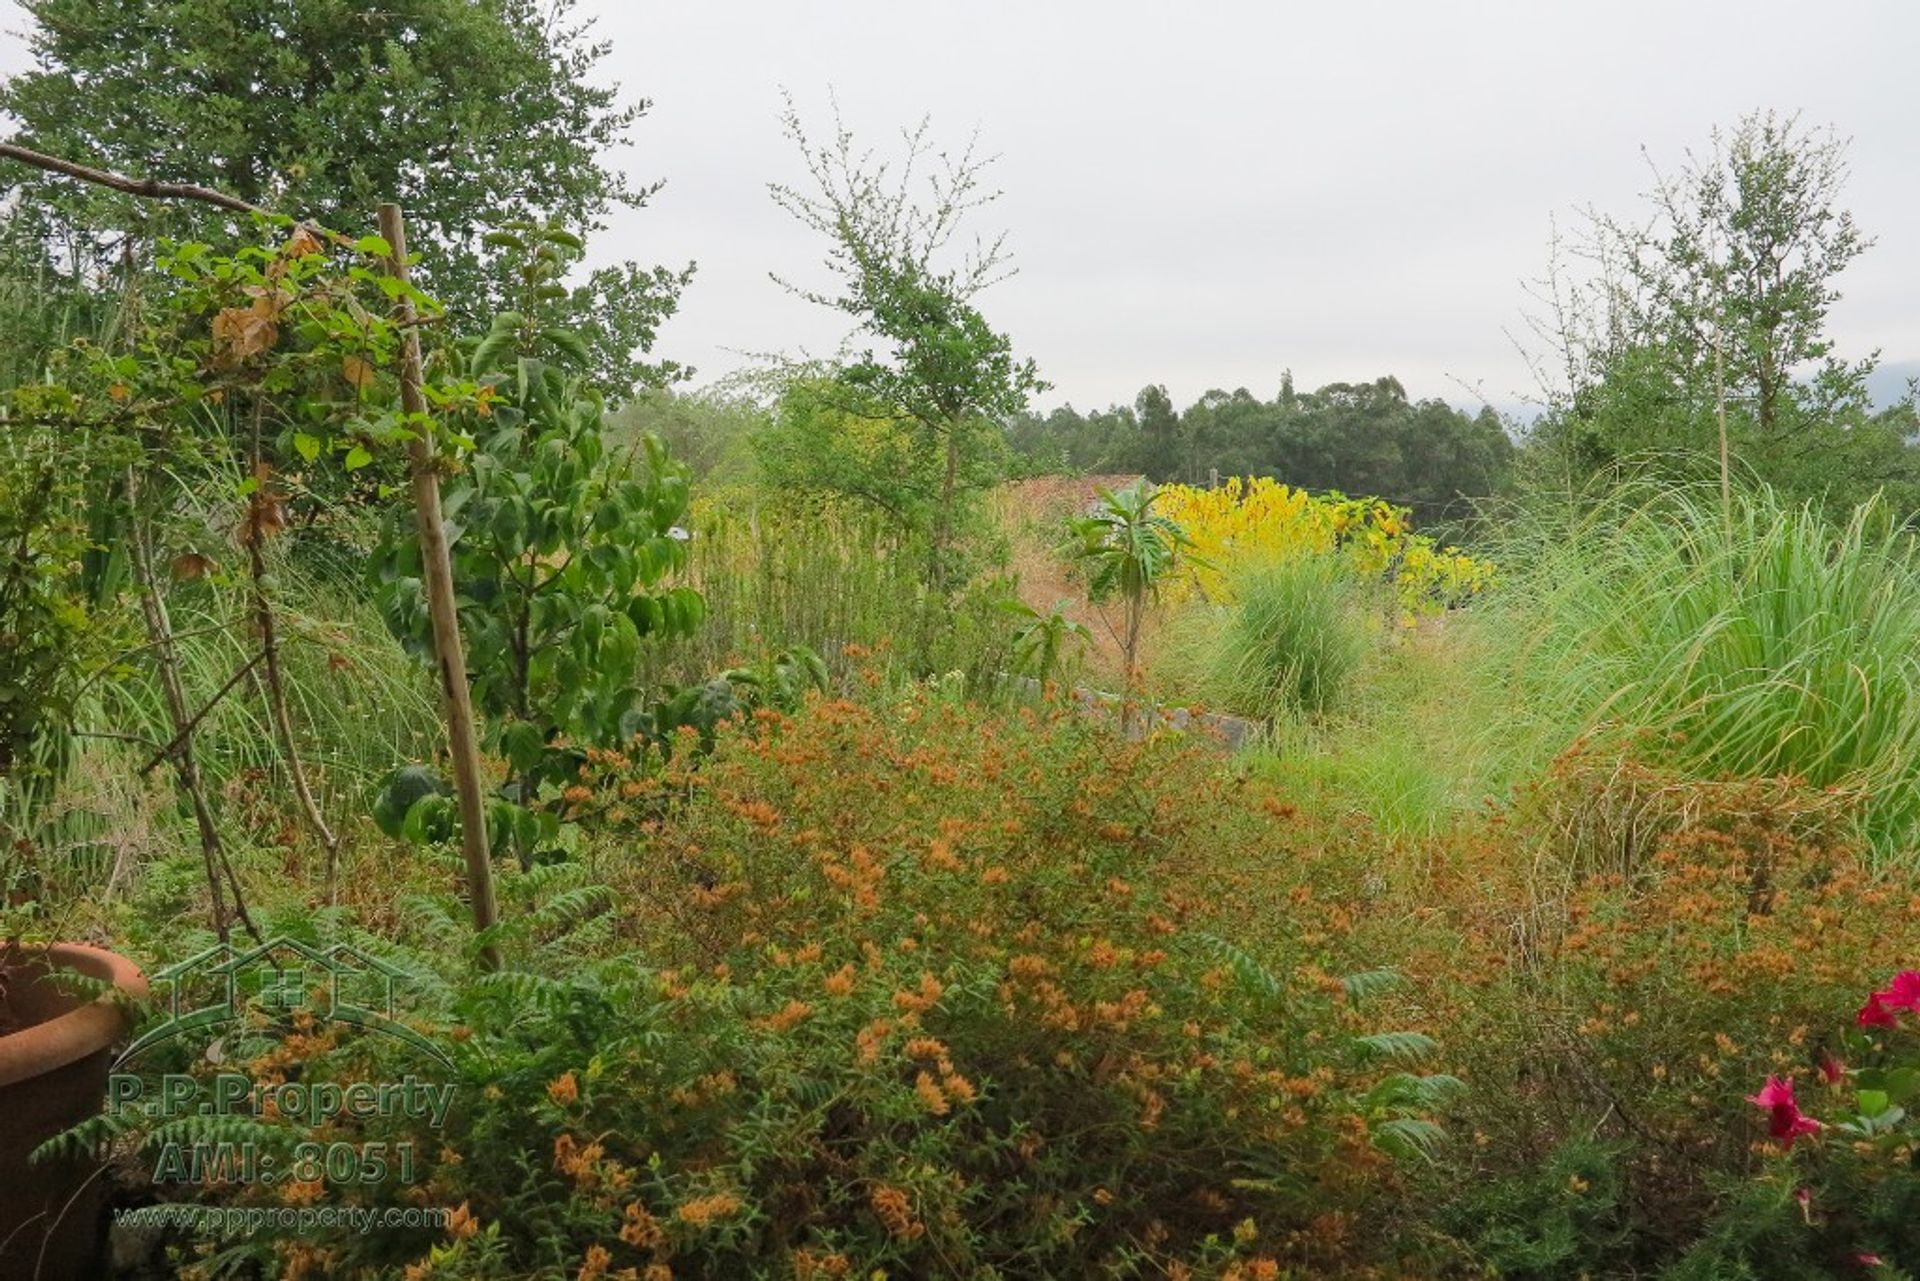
column 58, row 629
column 595, row 327
column 944, row 370
column 781, row 682
column 271, row 357
column 1127, row 550
column 1565, row 1218
column 1849, row 1165
column 1358, row 438
column 843, row 582
column 409, row 785
column 913, row 986
column 467, row 115
column 1851, row 1214
column 830, row 439
column 41, row 308
column 709, row 431
column 1763, row 643
column 1721, row 302
column 362, row 703
column 562, row 554
column 1742, row 273
column 231, row 363
column 1041, row 641
column 831, row 445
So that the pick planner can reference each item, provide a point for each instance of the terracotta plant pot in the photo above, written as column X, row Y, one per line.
column 54, row 1057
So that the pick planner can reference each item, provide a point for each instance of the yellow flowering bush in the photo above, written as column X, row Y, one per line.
column 1257, row 519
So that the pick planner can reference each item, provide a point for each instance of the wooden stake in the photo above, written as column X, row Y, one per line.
column 437, row 568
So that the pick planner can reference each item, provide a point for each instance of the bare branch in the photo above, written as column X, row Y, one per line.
column 146, row 188
column 150, row 188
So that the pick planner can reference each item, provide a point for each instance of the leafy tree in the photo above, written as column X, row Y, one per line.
column 939, row 366
column 710, row 431
column 1159, row 431
column 468, row 114
column 1066, row 440
column 1737, row 276
column 830, row 437
column 1704, row 331
column 595, row 327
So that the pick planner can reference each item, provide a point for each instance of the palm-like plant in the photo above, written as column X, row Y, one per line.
column 1128, row 550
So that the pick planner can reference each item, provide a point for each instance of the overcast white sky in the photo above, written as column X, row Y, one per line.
column 1204, row 194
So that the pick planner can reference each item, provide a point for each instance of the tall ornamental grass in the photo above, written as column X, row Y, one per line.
column 1753, row 641
column 1291, row 643
column 360, row 705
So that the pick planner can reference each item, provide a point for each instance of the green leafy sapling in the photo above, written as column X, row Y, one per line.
column 563, row 548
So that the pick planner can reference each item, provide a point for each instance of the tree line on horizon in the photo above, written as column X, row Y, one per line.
column 1365, row 438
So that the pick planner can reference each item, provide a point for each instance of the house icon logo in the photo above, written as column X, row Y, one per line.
column 225, row 985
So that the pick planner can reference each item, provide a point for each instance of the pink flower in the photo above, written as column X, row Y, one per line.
column 1867, row 1260
column 1903, row 993
column 1832, row 1070
column 1784, row 1120
column 1875, row 1013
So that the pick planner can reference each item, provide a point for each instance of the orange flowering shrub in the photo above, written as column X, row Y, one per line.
column 931, row 991
column 1619, row 959
column 916, row 992
column 1617, row 1021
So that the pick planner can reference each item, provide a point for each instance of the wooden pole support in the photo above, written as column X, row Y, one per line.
column 437, row 568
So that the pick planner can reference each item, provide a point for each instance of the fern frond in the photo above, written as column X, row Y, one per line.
column 1406, row 1136
column 1252, row 975
column 1406, row 1047
column 1369, row 983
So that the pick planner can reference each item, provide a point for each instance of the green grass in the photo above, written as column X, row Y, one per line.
column 1402, row 752
column 1649, row 626
column 827, row 577
column 1758, row 642
column 359, row 703
column 1292, row 643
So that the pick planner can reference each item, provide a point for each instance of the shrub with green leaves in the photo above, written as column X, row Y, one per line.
column 562, row 554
